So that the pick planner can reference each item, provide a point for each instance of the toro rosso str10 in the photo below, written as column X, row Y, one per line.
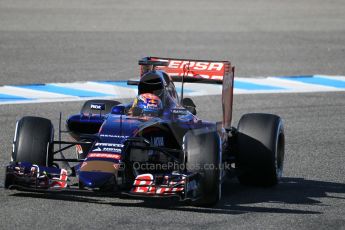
column 155, row 146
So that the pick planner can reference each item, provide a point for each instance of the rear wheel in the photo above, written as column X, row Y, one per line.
column 204, row 157
column 33, row 141
column 260, row 149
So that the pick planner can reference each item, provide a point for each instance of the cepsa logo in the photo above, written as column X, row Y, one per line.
column 194, row 68
column 209, row 66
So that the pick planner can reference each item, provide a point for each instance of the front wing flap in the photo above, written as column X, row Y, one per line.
column 33, row 176
column 184, row 186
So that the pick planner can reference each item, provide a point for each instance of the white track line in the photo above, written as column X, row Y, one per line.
column 299, row 87
column 30, row 93
column 339, row 78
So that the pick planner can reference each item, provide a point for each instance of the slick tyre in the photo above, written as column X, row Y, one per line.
column 203, row 156
column 260, row 147
column 33, row 141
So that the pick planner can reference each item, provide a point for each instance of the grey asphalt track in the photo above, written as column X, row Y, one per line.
column 64, row 41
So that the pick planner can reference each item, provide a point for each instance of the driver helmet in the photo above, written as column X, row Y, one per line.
column 147, row 104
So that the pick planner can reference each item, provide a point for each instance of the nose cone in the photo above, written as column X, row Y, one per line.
column 95, row 179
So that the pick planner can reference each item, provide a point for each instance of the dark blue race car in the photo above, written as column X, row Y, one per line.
column 155, row 146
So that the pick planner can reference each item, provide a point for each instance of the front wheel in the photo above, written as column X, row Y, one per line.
column 33, row 141
column 203, row 153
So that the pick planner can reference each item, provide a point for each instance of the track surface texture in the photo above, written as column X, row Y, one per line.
column 65, row 41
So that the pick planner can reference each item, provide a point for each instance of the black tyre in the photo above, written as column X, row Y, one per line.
column 260, row 147
column 8, row 180
column 203, row 155
column 86, row 108
column 33, row 141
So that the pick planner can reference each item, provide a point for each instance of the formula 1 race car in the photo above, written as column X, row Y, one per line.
column 155, row 146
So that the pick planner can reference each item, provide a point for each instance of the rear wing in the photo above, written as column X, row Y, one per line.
column 197, row 71
column 203, row 71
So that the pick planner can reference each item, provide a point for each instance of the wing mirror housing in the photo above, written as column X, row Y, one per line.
column 189, row 105
column 119, row 110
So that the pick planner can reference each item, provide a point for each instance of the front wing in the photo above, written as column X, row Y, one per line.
column 27, row 176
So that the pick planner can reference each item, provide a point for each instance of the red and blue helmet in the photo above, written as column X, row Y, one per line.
column 148, row 104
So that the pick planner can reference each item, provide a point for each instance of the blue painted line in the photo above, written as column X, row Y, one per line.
column 64, row 90
column 253, row 86
column 118, row 83
column 7, row 97
column 318, row 81
column 185, row 90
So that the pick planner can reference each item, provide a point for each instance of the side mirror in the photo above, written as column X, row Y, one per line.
column 119, row 110
column 189, row 105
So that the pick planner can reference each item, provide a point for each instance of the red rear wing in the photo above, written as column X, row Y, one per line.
column 203, row 71
column 212, row 70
